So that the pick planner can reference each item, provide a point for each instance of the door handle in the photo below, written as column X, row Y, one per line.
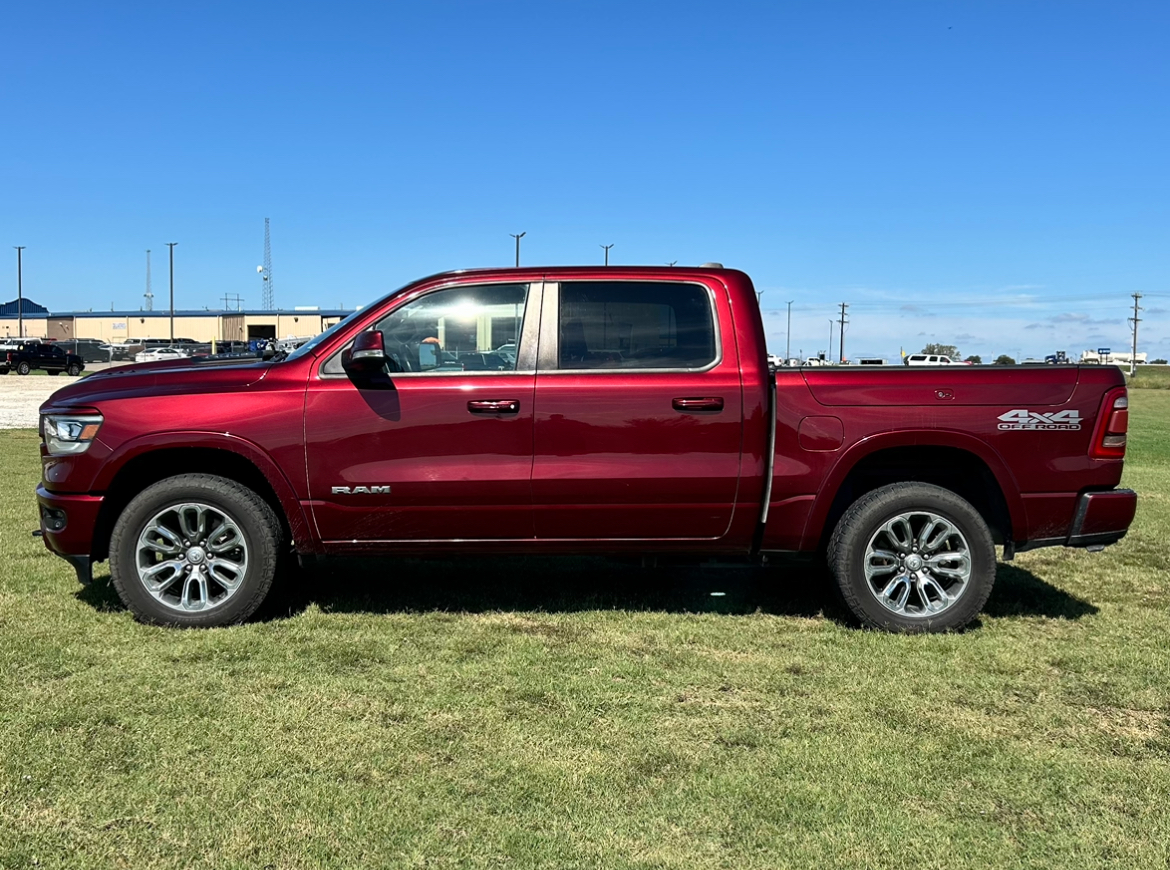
column 494, row 406
column 710, row 403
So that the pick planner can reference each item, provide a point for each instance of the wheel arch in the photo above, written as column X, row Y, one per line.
column 955, row 461
column 138, row 465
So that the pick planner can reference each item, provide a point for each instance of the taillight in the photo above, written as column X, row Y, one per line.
column 1112, row 426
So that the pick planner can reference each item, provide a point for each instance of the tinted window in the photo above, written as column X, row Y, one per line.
column 635, row 325
column 454, row 330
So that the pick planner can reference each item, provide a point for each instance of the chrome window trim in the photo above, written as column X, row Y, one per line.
column 525, row 353
column 549, row 355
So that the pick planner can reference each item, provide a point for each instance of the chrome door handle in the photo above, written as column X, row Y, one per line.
column 709, row 403
column 494, row 406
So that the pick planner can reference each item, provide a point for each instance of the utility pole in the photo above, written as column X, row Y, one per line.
column 171, row 245
column 788, row 336
column 607, row 247
column 1135, row 320
column 842, row 321
column 518, row 237
column 830, row 356
column 19, row 290
column 148, row 294
column 760, row 297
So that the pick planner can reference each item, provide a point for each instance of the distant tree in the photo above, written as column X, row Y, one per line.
column 943, row 350
column 974, row 359
column 1004, row 360
column 1157, row 362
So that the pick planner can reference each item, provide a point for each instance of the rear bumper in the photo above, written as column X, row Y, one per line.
column 1102, row 518
column 68, row 522
column 1098, row 520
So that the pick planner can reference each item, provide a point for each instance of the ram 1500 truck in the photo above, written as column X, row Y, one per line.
column 572, row 410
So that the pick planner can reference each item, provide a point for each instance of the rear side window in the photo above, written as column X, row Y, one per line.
column 635, row 325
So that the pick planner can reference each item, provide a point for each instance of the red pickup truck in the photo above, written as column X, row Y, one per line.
column 573, row 410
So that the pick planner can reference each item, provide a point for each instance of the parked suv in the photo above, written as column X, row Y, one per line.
column 928, row 359
column 30, row 355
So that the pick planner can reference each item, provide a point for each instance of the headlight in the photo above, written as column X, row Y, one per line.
column 69, row 433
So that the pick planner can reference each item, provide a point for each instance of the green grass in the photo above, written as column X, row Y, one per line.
column 1150, row 377
column 531, row 713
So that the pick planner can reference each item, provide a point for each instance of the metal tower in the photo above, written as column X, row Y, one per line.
column 149, row 296
column 269, row 296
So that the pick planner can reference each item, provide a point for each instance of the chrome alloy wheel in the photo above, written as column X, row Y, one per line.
column 917, row 564
column 191, row 557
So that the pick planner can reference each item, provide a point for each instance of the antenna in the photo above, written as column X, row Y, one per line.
column 149, row 295
column 269, row 294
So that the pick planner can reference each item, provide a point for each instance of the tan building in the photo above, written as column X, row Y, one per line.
column 201, row 326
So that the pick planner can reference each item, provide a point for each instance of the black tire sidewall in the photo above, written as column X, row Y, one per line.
column 255, row 519
column 23, row 368
column 865, row 517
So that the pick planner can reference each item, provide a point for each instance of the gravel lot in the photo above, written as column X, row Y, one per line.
column 20, row 398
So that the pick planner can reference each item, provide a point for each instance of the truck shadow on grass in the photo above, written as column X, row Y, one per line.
column 568, row 585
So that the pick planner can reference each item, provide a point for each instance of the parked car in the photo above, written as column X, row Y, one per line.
column 155, row 354
column 48, row 356
column 928, row 359
column 89, row 349
column 197, row 482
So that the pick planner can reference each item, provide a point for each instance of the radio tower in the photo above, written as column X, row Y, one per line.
column 269, row 296
column 149, row 296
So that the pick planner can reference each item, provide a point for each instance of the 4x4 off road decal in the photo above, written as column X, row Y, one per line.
column 1021, row 419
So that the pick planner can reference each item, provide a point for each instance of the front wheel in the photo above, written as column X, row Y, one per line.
column 74, row 370
column 913, row 557
column 194, row 551
column 23, row 368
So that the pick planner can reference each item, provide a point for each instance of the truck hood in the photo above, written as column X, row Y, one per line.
column 1024, row 386
column 168, row 377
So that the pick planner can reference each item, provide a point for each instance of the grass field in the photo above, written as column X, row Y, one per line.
column 540, row 714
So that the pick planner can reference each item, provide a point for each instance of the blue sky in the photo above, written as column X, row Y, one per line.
column 987, row 174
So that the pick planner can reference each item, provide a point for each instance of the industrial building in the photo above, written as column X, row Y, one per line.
column 200, row 325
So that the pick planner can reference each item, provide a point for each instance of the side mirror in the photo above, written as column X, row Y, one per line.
column 367, row 355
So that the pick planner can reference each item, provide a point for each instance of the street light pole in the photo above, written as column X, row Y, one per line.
column 788, row 339
column 19, row 291
column 171, row 245
column 518, row 238
column 606, row 247
column 831, row 339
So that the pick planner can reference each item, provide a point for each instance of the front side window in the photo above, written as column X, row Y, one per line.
column 475, row 328
column 635, row 325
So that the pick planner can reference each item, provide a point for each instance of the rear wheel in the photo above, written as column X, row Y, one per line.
column 912, row 557
column 23, row 368
column 195, row 550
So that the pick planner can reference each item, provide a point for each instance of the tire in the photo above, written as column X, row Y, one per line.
column 23, row 368
column 922, row 577
column 149, row 536
column 74, row 370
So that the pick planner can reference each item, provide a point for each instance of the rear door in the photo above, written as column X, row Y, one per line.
column 638, row 422
column 441, row 449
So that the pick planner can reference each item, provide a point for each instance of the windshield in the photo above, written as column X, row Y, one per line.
column 308, row 346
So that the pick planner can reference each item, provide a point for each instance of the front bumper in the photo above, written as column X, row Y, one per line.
column 68, row 522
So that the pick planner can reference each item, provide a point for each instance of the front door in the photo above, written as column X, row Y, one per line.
column 638, row 424
column 441, row 447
